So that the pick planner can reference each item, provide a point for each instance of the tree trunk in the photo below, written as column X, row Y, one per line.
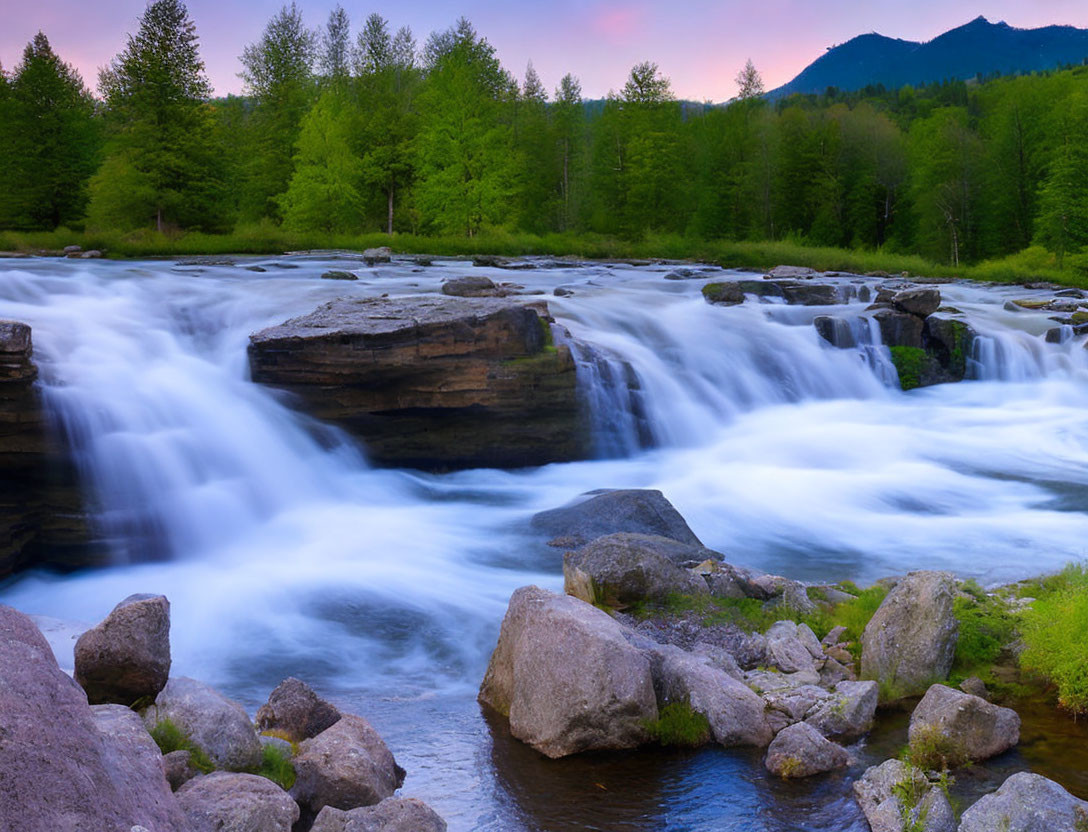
column 158, row 219
column 389, row 226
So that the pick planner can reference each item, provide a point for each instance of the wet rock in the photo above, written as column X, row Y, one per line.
column 493, row 261
column 836, row 331
column 395, row 814
column 382, row 254
column 294, row 709
column 801, row 751
column 1027, row 803
column 64, row 766
column 599, row 513
column 338, row 275
column 792, row 271
column 623, row 568
column 735, row 713
column 562, row 292
column 899, row 329
column 431, row 381
column 227, row 802
column 472, row 287
column 567, row 678
column 947, row 340
column 218, row 725
column 911, row 640
column 971, row 728
column 127, row 656
column 848, row 714
column 345, row 766
column 179, row 768
column 920, row 302
column 724, row 294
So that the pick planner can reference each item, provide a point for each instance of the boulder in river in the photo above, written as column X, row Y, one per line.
column 598, row 513
column 229, row 802
column 218, row 725
column 394, row 814
column 127, row 656
column 802, row 751
column 473, row 287
column 624, row 568
column 968, row 727
column 920, row 302
column 1027, row 802
column 911, row 640
column 848, row 714
column 381, row 254
column 339, row 274
column 879, row 793
column 567, row 678
column 432, row 382
column 295, row 710
column 345, row 766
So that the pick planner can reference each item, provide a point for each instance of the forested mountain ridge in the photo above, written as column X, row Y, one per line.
column 974, row 49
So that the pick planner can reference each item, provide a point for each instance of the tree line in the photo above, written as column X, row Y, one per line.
column 348, row 132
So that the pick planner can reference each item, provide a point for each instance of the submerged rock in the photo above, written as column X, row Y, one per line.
column 623, row 568
column 127, row 656
column 802, row 751
column 911, row 640
column 567, row 678
column 294, row 709
column 394, row 814
column 337, row 274
column 599, row 513
column 969, row 727
column 1027, row 803
column 432, row 382
column 228, row 802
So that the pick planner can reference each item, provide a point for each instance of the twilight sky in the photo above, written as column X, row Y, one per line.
column 699, row 44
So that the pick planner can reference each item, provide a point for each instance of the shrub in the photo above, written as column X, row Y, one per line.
column 985, row 628
column 169, row 737
column 932, row 750
column 276, row 765
column 1054, row 630
column 678, row 724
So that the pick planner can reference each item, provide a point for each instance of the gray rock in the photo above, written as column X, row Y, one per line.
column 848, row 714
column 218, row 725
column 976, row 687
column 337, row 274
column 622, row 568
column 792, row 271
column 598, row 513
column 382, row 254
column 920, row 302
column 395, row 814
column 179, row 768
column 911, row 640
column 93, row 254
column 472, row 287
column 345, row 766
column 735, row 713
column 567, row 678
column 801, row 751
column 973, row 728
column 786, row 650
column 63, row 766
column 796, row 701
column 127, row 656
column 899, row 329
column 724, row 294
column 875, row 794
column 296, row 710
column 73, row 249
column 1027, row 803
column 720, row 658
column 228, row 802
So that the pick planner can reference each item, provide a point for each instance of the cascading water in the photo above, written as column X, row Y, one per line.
column 284, row 553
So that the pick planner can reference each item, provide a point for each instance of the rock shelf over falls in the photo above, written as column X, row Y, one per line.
column 432, row 382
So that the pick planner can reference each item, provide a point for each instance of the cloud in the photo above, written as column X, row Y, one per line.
column 618, row 23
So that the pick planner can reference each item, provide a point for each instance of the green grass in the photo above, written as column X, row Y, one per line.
column 1054, row 631
column 276, row 765
column 1033, row 264
column 932, row 750
column 677, row 724
column 985, row 627
column 169, row 737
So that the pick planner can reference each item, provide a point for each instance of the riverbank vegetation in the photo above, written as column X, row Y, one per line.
column 340, row 137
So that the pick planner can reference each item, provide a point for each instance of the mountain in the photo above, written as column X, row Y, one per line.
column 979, row 47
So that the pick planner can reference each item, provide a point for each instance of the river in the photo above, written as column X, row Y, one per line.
column 283, row 553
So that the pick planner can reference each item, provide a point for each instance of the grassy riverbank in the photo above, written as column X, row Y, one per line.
column 1033, row 264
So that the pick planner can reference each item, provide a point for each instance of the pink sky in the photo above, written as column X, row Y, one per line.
column 699, row 44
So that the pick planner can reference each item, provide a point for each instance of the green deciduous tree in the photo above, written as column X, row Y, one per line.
column 1062, row 224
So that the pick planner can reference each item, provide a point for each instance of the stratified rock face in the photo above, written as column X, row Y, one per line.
column 1027, row 803
column 432, row 382
column 598, row 513
column 297, row 711
column 220, row 726
column 801, row 751
column 567, row 678
column 127, row 656
column 911, row 640
column 227, row 802
column 395, row 814
column 64, row 766
column 42, row 518
column 973, row 728
column 345, row 766
column 624, row 568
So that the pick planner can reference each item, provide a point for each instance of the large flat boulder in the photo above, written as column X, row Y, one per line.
column 127, row 656
column 624, row 568
column 969, row 727
column 62, row 765
column 1027, row 803
column 911, row 640
column 567, row 678
column 229, row 802
column 431, row 381
column 394, row 814
column 606, row 511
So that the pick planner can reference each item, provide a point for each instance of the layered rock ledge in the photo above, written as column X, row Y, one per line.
column 432, row 382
